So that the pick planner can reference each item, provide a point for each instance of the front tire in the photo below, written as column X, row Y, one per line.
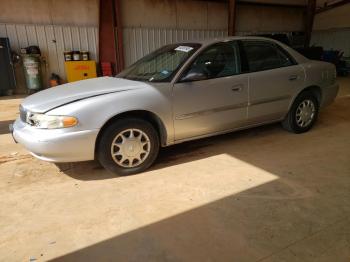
column 303, row 113
column 128, row 146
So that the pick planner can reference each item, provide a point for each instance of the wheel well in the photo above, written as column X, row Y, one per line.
column 316, row 90
column 142, row 114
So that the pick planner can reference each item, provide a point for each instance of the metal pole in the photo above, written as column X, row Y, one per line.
column 231, row 17
column 309, row 21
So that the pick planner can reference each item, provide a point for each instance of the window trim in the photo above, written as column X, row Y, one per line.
column 201, row 51
column 244, row 58
column 286, row 53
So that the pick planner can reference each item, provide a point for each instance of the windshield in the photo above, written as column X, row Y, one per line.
column 160, row 65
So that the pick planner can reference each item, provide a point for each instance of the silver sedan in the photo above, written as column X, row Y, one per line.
column 177, row 93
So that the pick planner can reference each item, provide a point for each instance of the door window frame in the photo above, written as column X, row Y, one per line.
column 200, row 52
column 244, row 59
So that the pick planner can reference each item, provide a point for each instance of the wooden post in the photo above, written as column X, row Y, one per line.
column 309, row 21
column 231, row 17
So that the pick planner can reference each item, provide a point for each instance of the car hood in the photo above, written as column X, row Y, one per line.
column 48, row 99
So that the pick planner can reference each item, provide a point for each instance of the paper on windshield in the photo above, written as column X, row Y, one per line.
column 184, row 48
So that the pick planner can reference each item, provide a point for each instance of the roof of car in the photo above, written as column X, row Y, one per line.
column 298, row 57
column 230, row 38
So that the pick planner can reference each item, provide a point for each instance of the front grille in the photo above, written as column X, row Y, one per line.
column 23, row 114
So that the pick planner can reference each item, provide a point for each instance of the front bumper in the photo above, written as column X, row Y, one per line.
column 56, row 145
column 11, row 131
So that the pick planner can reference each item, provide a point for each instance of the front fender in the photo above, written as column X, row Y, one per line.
column 94, row 112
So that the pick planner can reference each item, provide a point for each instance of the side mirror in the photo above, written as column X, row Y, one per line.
column 195, row 74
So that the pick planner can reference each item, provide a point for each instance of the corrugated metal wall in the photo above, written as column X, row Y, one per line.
column 52, row 40
column 337, row 39
column 141, row 41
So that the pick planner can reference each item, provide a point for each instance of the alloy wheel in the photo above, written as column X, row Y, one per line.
column 305, row 113
column 130, row 148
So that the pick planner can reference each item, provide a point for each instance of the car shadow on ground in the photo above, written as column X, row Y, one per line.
column 4, row 126
column 3, row 98
column 168, row 156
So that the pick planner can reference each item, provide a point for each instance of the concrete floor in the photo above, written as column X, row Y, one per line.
column 256, row 195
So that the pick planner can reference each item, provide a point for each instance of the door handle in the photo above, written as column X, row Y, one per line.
column 293, row 77
column 237, row 88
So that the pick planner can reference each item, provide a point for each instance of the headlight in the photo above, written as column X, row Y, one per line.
column 50, row 122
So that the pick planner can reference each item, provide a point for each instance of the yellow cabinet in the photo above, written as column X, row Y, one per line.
column 80, row 70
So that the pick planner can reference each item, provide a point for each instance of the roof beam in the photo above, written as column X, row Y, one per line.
column 329, row 7
column 271, row 4
column 267, row 4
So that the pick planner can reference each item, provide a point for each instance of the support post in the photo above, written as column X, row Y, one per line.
column 119, row 35
column 309, row 21
column 232, row 17
column 111, row 34
column 106, row 39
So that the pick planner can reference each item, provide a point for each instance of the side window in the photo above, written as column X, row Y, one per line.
column 218, row 60
column 264, row 56
column 285, row 59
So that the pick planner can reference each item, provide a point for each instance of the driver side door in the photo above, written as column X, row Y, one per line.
column 216, row 103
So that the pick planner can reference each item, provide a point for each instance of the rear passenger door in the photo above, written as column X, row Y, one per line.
column 273, row 78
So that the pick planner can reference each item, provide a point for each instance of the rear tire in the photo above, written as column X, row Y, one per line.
column 128, row 146
column 303, row 113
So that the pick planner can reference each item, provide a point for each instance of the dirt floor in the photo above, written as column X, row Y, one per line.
column 256, row 195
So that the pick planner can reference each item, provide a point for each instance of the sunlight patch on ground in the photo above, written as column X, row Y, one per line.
column 185, row 192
